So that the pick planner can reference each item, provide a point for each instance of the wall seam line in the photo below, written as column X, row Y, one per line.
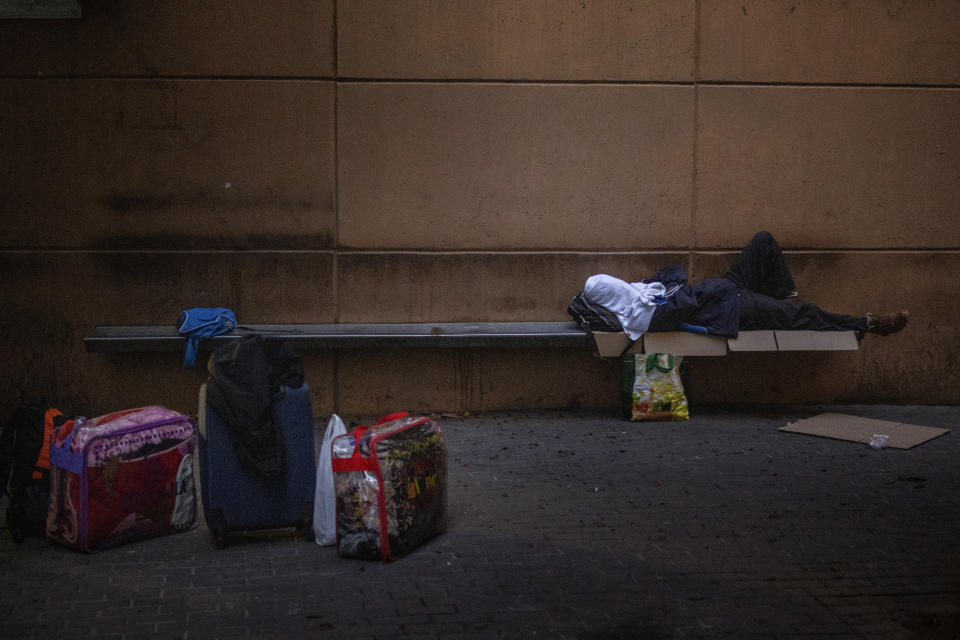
column 696, row 136
column 484, row 81
column 335, row 263
column 553, row 251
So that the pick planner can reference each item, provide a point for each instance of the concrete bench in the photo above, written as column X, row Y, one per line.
column 130, row 339
column 354, row 336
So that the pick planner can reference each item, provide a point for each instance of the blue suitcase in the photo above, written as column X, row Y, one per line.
column 236, row 498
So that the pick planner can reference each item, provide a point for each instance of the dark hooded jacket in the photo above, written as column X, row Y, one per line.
column 711, row 306
column 248, row 375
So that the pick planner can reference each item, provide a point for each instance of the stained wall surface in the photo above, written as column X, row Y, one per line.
column 454, row 160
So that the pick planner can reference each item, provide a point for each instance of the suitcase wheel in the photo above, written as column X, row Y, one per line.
column 217, row 524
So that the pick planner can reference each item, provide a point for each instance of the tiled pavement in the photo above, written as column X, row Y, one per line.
column 572, row 525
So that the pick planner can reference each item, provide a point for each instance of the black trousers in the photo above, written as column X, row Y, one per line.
column 764, row 280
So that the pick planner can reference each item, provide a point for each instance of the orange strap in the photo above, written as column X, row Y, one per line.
column 43, row 460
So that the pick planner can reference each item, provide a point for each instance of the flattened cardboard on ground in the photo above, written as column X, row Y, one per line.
column 856, row 429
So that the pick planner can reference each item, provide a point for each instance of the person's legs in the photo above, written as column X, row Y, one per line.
column 758, row 311
column 761, row 267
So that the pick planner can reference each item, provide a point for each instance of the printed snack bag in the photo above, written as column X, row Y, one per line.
column 653, row 388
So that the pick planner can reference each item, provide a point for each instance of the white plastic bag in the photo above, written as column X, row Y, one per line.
column 324, row 500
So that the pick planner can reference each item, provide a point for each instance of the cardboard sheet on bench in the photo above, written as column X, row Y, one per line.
column 610, row 344
column 680, row 343
column 816, row 341
column 856, row 429
column 753, row 341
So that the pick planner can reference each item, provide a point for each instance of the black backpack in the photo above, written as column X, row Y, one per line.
column 25, row 467
column 592, row 317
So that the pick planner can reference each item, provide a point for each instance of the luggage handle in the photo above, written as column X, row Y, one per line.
column 61, row 456
column 653, row 362
column 390, row 417
column 356, row 462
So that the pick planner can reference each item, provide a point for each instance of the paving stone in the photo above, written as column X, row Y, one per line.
column 568, row 524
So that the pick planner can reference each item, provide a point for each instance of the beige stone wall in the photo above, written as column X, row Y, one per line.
column 456, row 160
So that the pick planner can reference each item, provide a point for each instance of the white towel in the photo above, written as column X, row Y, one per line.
column 632, row 302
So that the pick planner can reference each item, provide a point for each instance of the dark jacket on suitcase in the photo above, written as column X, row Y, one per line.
column 246, row 376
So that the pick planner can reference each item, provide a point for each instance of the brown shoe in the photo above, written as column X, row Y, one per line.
column 886, row 324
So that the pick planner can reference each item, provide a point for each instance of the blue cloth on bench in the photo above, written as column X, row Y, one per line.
column 203, row 322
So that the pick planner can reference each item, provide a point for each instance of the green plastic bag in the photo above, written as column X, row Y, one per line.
column 652, row 388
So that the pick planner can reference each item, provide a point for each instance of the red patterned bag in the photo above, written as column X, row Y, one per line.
column 390, row 482
column 121, row 477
